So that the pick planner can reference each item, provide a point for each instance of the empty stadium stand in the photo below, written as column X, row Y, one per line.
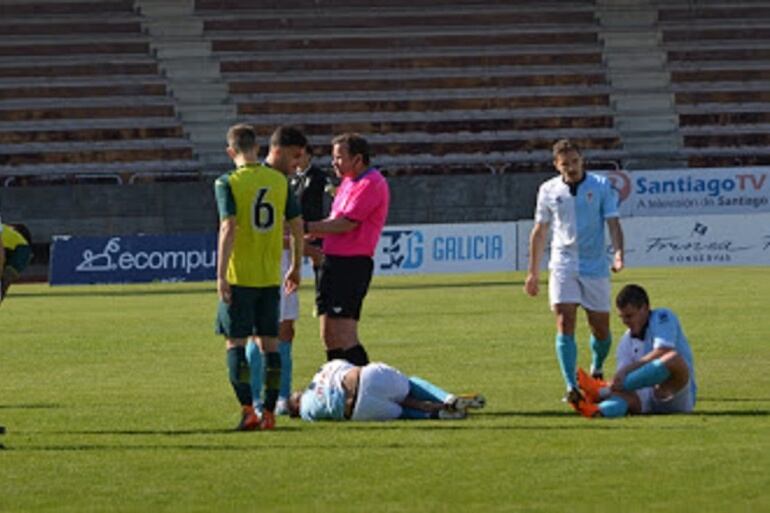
column 119, row 90
column 719, row 57
column 432, row 86
column 81, row 96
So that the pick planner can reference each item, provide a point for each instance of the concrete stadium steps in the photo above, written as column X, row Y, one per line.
column 116, row 170
column 429, row 82
column 501, row 140
column 333, row 21
column 727, row 156
column 94, row 151
column 227, row 5
column 14, row 27
column 429, row 59
column 28, row 109
column 489, row 159
column 467, row 80
column 142, row 66
column 57, row 49
column 82, row 90
column 82, row 93
column 71, row 131
column 719, row 55
column 465, row 124
column 718, row 12
column 461, row 37
column 35, row 9
column 724, row 115
column 734, row 137
column 423, row 101
column 26, row 114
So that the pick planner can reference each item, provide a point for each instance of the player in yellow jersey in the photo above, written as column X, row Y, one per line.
column 253, row 201
column 17, row 252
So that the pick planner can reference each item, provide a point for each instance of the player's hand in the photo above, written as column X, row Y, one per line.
column 315, row 254
column 617, row 263
column 292, row 280
column 616, row 384
column 531, row 285
column 224, row 291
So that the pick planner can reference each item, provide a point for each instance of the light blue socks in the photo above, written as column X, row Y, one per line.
column 257, row 369
column 614, row 406
column 566, row 353
column 653, row 373
column 423, row 390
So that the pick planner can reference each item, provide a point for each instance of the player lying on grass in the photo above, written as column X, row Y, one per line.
column 654, row 361
column 376, row 391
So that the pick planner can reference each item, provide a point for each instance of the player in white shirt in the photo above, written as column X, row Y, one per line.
column 576, row 205
column 656, row 373
column 376, row 391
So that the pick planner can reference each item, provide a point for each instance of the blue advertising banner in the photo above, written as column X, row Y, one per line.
column 132, row 259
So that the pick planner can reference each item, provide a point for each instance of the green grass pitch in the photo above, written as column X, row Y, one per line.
column 116, row 399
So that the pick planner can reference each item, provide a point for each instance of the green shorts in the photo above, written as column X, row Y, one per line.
column 18, row 258
column 252, row 311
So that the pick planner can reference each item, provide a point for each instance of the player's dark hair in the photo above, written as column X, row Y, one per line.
column 242, row 138
column 23, row 230
column 633, row 295
column 294, row 403
column 356, row 145
column 564, row 146
column 288, row 136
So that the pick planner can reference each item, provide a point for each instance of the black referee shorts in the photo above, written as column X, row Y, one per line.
column 342, row 285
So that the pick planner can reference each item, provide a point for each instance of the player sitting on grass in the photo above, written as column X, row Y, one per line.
column 16, row 245
column 376, row 391
column 654, row 361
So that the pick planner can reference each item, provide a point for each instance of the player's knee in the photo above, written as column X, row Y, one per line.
column 677, row 366
column 286, row 330
column 565, row 318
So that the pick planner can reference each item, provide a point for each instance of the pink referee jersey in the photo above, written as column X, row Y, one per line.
column 364, row 199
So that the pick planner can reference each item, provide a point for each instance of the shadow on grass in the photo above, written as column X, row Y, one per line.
column 734, row 399
column 211, row 447
column 696, row 413
column 89, row 292
column 455, row 285
column 207, row 287
column 730, row 413
column 521, row 413
column 34, row 406
column 162, row 432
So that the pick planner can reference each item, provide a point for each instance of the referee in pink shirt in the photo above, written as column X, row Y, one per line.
column 350, row 236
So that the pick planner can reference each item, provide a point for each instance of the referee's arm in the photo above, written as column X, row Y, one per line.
column 338, row 225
